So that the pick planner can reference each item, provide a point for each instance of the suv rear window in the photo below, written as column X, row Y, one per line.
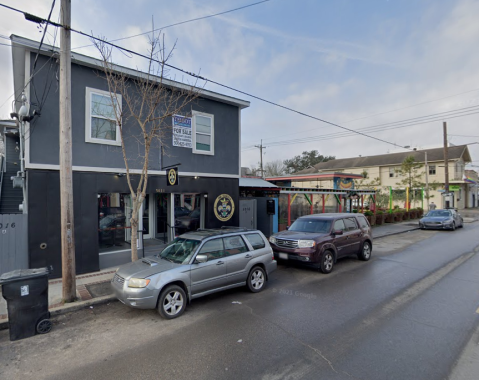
column 256, row 241
column 363, row 222
column 234, row 245
column 351, row 224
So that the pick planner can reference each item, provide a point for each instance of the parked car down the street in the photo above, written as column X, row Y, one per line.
column 193, row 265
column 446, row 219
column 319, row 240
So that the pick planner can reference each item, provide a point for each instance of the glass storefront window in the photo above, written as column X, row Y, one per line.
column 187, row 213
column 113, row 221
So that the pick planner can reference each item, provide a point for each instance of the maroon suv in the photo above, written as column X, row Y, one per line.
column 321, row 239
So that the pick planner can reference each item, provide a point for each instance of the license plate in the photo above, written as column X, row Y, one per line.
column 283, row 256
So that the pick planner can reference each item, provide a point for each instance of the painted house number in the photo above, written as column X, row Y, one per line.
column 8, row 225
column 246, row 208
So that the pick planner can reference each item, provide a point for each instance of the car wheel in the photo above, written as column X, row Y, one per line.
column 256, row 279
column 453, row 228
column 462, row 224
column 365, row 253
column 327, row 262
column 172, row 302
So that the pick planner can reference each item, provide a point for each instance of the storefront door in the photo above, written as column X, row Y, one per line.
column 161, row 231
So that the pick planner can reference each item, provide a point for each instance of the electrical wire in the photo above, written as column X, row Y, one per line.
column 38, row 19
column 38, row 51
column 466, row 111
column 345, row 134
column 180, row 23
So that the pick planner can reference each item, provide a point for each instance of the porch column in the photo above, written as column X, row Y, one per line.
column 340, row 203
column 322, row 195
column 362, row 203
column 311, row 208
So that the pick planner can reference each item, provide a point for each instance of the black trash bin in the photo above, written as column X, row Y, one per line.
column 26, row 293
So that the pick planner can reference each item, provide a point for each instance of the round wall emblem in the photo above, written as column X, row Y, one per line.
column 224, row 207
column 172, row 176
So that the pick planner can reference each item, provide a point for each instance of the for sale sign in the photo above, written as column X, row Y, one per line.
column 182, row 131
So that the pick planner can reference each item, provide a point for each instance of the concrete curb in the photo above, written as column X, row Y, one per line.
column 71, row 307
column 395, row 233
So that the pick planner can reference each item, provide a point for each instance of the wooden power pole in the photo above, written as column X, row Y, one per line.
column 446, row 160
column 66, row 177
column 261, row 157
column 446, row 169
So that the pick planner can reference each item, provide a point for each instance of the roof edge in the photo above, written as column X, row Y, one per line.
column 86, row 60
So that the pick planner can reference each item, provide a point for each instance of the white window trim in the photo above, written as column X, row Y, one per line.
column 212, row 117
column 88, row 96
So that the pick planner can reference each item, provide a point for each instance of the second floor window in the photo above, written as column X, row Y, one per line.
column 391, row 172
column 432, row 169
column 203, row 133
column 100, row 120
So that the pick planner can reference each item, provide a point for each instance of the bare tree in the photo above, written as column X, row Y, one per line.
column 274, row 168
column 143, row 106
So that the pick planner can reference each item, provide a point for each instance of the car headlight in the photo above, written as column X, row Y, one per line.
column 306, row 243
column 138, row 282
column 448, row 221
column 272, row 239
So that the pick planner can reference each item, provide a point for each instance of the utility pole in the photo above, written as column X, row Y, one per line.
column 66, row 176
column 427, row 177
column 446, row 166
column 261, row 147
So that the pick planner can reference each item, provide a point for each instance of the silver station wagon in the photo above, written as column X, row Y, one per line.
column 193, row 265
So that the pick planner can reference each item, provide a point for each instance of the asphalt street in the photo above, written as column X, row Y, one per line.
column 408, row 313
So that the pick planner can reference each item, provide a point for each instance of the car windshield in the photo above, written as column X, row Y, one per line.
column 443, row 213
column 179, row 251
column 311, row 225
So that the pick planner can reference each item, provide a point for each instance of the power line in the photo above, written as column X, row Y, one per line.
column 181, row 22
column 37, row 19
column 401, row 123
column 394, row 110
column 39, row 48
column 344, row 134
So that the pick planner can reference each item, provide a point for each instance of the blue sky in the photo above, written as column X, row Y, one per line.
column 336, row 60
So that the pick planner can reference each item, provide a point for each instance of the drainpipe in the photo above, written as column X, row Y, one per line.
column 23, row 113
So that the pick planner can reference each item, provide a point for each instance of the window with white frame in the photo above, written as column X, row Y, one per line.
column 391, row 172
column 203, row 133
column 101, row 125
column 432, row 169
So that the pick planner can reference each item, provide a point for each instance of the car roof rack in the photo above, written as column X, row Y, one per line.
column 221, row 231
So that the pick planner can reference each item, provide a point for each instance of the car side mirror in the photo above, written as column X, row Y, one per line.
column 201, row 259
column 338, row 232
column 287, row 227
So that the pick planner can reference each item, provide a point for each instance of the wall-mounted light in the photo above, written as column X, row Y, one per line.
column 196, row 177
column 120, row 174
column 205, row 195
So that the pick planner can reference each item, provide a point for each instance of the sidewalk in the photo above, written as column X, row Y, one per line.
column 94, row 288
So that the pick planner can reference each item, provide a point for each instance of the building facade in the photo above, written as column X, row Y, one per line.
column 383, row 172
column 208, row 167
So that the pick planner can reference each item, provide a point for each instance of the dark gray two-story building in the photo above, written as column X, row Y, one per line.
column 208, row 168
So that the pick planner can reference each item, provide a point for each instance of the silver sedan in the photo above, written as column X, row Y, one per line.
column 447, row 219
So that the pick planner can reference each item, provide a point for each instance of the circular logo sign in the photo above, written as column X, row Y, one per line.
column 224, row 207
column 172, row 176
